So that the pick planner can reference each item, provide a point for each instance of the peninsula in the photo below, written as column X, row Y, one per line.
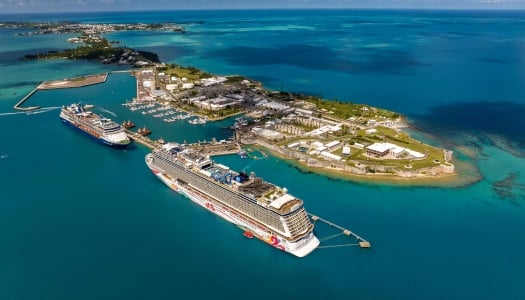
column 335, row 137
column 338, row 137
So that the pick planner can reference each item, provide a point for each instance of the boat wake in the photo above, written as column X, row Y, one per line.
column 108, row 112
column 11, row 113
column 42, row 110
column 4, row 156
column 32, row 112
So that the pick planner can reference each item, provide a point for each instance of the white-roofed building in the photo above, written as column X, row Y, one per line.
column 187, row 85
column 318, row 146
column 159, row 93
column 332, row 145
column 397, row 151
column 171, row 86
column 346, row 150
column 382, row 149
column 213, row 80
column 304, row 111
column 324, row 129
column 378, row 149
column 267, row 133
column 359, row 145
column 330, row 155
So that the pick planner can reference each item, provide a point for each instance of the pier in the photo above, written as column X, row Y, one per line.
column 17, row 105
column 62, row 84
column 361, row 241
column 209, row 149
column 145, row 141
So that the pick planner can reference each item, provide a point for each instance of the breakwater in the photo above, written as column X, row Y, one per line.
column 61, row 84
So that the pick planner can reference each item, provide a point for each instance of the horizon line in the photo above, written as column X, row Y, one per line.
column 275, row 8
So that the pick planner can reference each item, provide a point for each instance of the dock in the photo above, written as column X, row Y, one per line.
column 210, row 149
column 61, row 84
column 361, row 241
column 143, row 140
column 17, row 105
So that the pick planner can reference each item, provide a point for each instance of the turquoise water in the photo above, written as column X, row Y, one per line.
column 83, row 221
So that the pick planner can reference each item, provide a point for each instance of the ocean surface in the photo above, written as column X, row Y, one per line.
column 82, row 221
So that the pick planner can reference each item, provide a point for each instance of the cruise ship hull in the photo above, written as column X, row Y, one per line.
column 98, row 139
column 299, row 248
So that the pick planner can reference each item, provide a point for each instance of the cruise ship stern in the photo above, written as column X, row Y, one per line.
column 312, row 243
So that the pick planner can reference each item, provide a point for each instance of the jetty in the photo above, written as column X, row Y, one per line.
column 212, row 149
column 361, row 242
column 62, row 84
column 141, row 139
column 17, row 105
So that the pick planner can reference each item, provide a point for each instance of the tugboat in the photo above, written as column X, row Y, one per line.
column 144, row 131
column 128, row 124
column 243, row 153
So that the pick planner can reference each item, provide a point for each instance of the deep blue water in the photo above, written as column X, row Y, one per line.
column 82, row 221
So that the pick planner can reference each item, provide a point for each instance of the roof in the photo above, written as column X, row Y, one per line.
column 330, row 155
column 380, row 147
column 333, row 143
column 279, row 202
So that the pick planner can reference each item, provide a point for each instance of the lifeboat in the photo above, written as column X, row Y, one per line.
column 248, row 234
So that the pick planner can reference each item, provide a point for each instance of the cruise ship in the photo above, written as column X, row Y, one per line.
column 101, row 129
column 260, row 208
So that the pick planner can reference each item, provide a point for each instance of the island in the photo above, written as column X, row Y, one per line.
column 93, row 45
column 338, row 138
column 98, row 48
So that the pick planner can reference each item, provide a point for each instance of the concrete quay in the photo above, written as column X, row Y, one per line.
column 209, row 149
column 61, row 84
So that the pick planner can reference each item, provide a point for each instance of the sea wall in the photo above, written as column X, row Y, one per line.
column 359, row 169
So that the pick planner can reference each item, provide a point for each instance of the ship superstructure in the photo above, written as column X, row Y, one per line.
column 265, row 210
column 100, row 128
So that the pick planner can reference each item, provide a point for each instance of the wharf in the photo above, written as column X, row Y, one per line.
column 361, row 241
column 145, row 141
column 17, row 105
column 62, row 84
column 73, row 82
column 209, row 149
column 217, row 149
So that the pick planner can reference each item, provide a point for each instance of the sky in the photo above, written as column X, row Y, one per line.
column 29, row 6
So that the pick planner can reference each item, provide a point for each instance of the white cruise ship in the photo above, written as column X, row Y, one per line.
column 260, row 208
column 101, row 129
